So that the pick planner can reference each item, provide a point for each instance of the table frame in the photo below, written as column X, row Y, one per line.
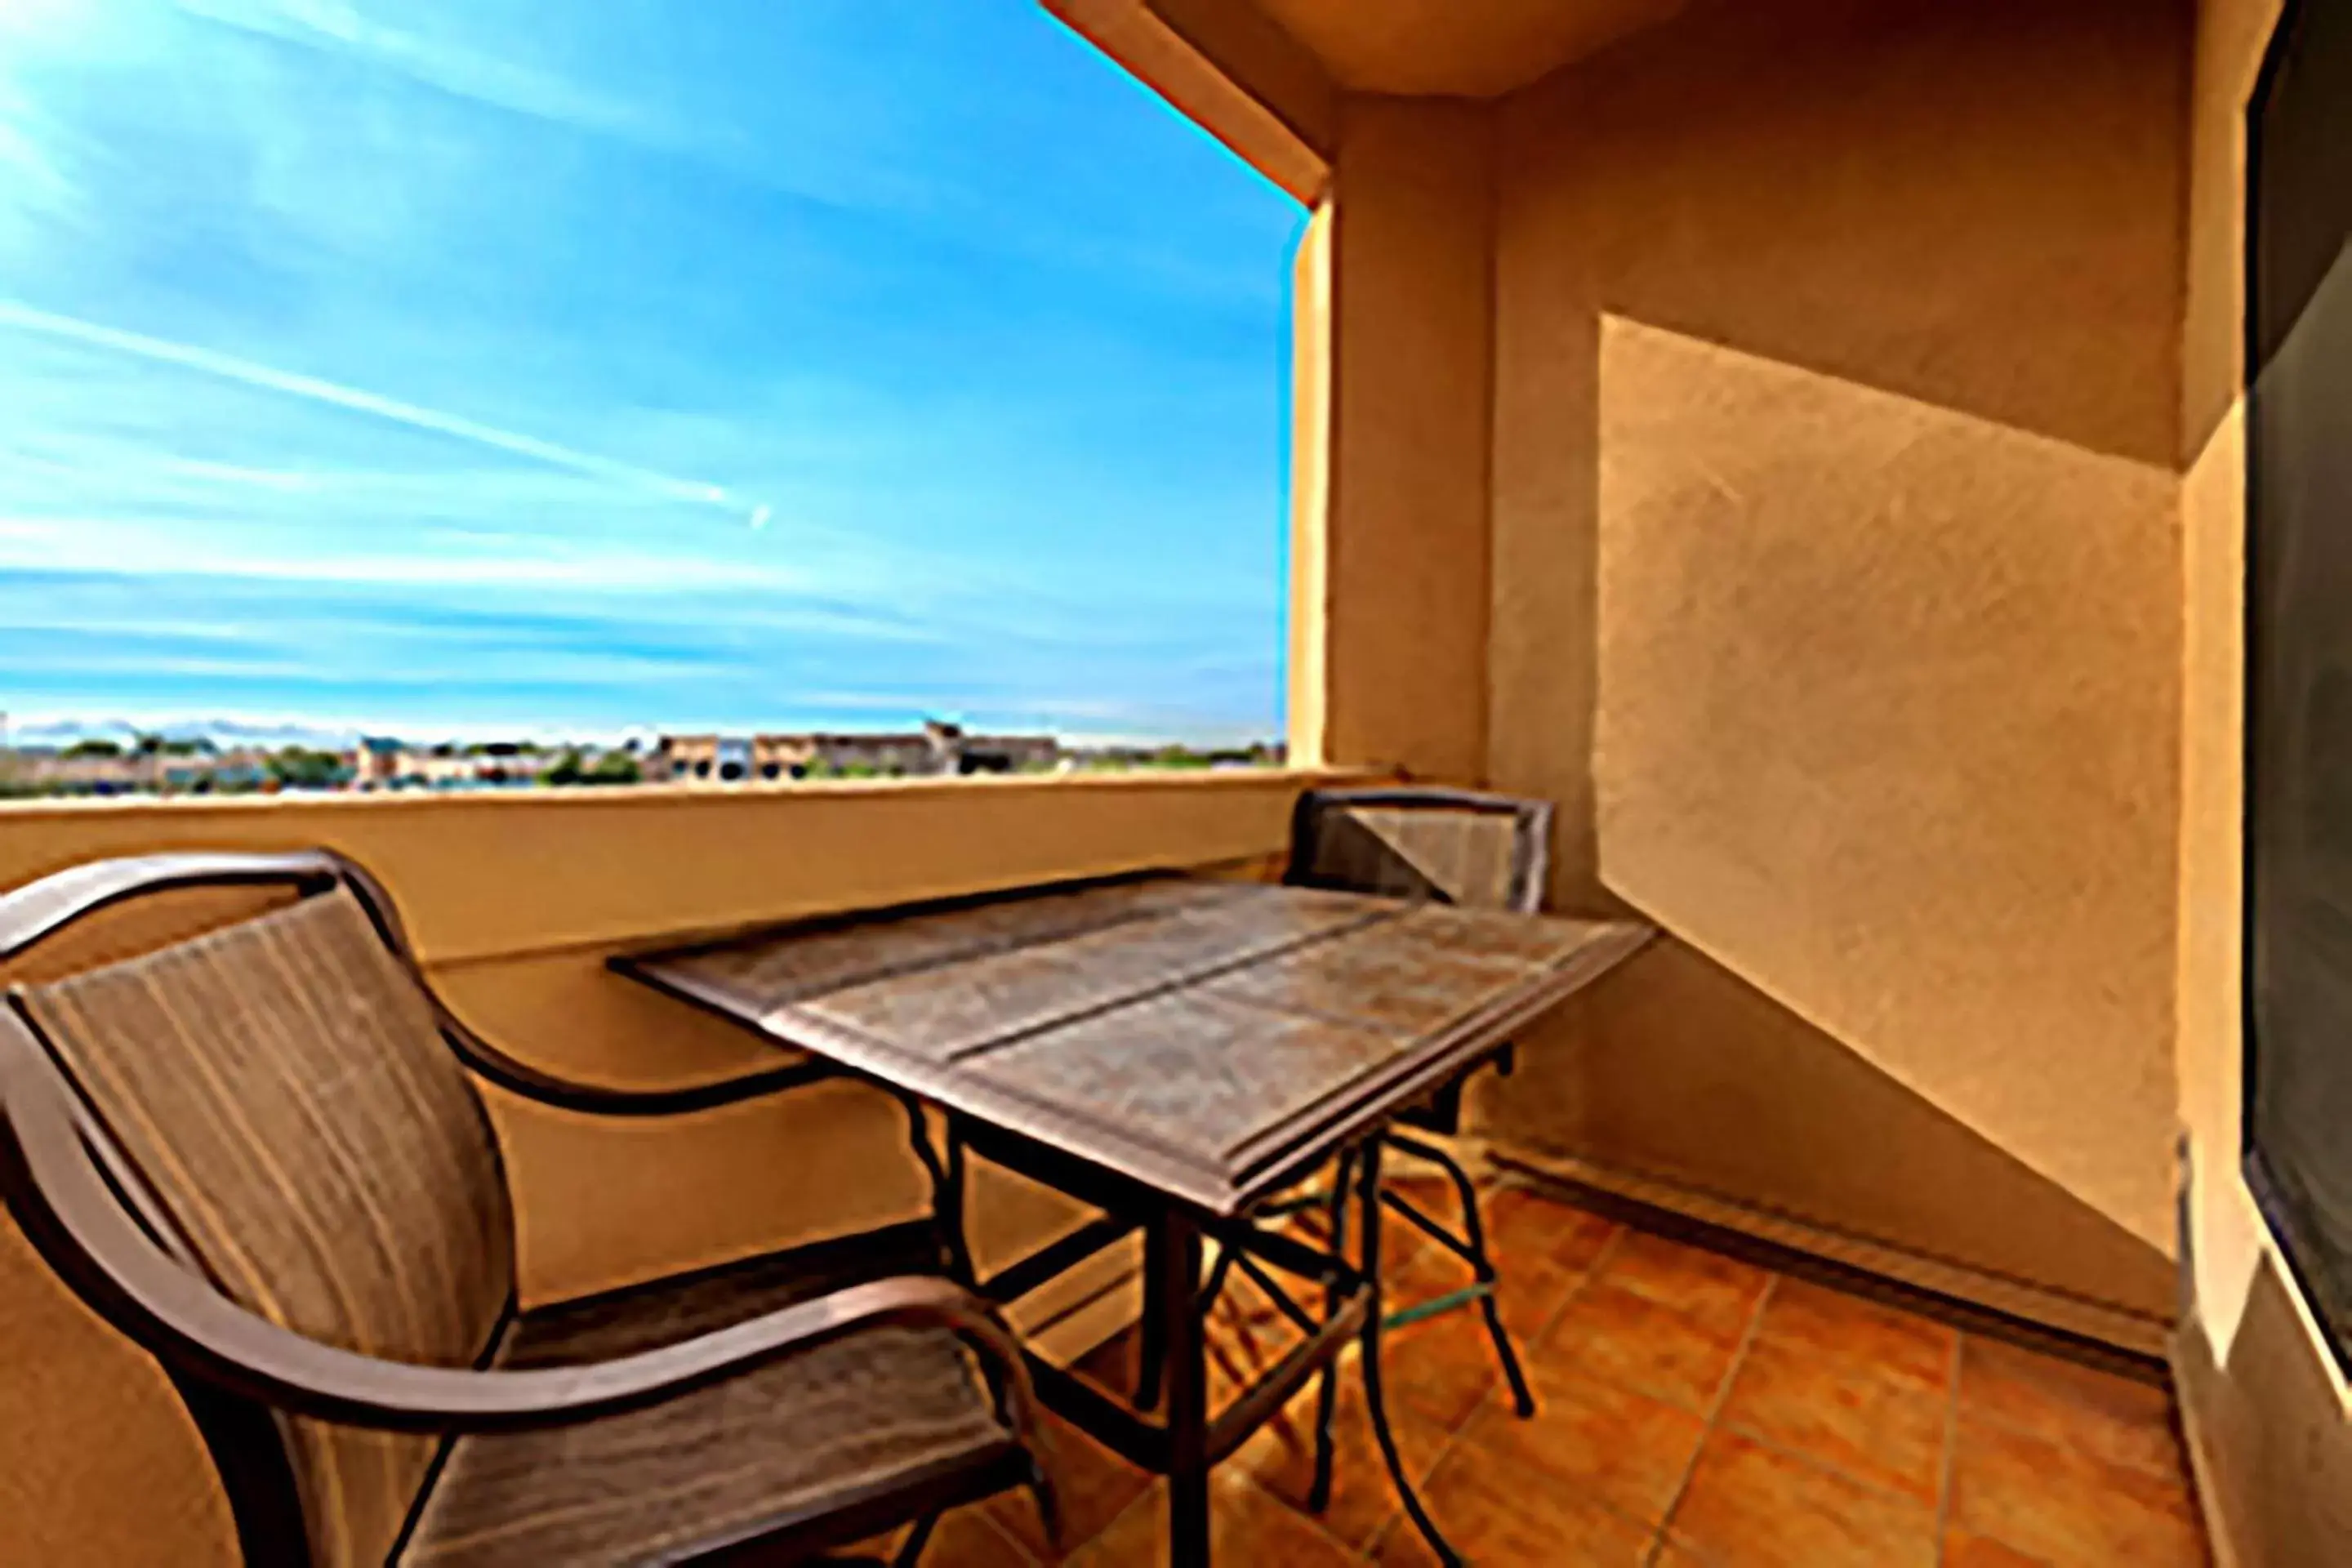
column 1178, row 1217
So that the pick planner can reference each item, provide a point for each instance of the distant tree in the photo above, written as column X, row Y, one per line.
column 149, row 744
column 93, row 747
column 567, row 769
column 615, row 768
column 300, row 767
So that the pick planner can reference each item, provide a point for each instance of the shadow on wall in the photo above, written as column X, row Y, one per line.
column 1842, row 398
column 1676, row 1069
column 1976, row 207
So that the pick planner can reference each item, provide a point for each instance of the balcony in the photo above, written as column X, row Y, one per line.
column 1805, row 443
column 1698, row 1385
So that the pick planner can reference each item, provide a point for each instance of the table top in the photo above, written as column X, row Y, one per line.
column 1209, row 1040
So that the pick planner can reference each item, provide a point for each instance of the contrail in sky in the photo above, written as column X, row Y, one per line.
column 14, row 313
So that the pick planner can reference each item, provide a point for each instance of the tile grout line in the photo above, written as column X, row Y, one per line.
column 1820, row 1466
column 1714, row 1415
column 1951, row 1446
column 1353, row 1553
column 1619, row 1230
column 1021, row 1548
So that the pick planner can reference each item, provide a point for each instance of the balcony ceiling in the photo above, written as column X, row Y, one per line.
column 1468, row 48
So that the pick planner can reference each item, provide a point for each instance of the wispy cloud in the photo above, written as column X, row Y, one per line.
column 487, row 79
column 228, row 367
column 105, row 544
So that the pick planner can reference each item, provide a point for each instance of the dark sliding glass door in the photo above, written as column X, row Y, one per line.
column 2298, row 1003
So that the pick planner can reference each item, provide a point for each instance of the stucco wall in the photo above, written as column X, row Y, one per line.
column 1836, row 599
column 1391, row 587
column 513, row 903
column 1223, row 66
column 2267, row 1411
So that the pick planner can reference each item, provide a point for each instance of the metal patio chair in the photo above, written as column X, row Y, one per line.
column 257, row 1154
column 1455, row 847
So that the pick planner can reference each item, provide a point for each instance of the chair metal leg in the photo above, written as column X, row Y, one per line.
column 1327, row 1394
column 1523, row 1399
column 1368, row 1177
column 946, row 1187
column 1216, row 1285
column 1048, row 1499
column 911, row 1551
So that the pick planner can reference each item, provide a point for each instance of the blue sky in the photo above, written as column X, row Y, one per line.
column 468, row 366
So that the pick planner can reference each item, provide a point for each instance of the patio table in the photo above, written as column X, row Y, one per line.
column 1176, row 1053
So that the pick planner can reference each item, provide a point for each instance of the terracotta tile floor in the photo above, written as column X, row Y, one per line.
column 1693, row 1412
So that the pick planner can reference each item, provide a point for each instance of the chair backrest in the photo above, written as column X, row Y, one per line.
column 1483, row 851
column 281, row 1089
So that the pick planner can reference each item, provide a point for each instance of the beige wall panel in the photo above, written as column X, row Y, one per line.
column 2269, row 1430
column 1263, row 60
column 1308, row 708
column 1404, row 551
column 1457, row 48
column 502, row 876
column 2226, row 1238
column 1887, row 725
column 100, row 1466
column 1978, row 206
column 1833, row 522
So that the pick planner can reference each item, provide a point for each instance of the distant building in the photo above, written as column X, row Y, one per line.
column 682, row 759
column 390, row 764
column 375, row 762
column 507, row 762
column 435, row 767
column 243, row 768
column 936, row 750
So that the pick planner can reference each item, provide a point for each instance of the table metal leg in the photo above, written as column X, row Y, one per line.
column 1173, row 1255
column 1152, row 1332
column 1368, row 1199
column 1327, row 1396
column 947, row 1186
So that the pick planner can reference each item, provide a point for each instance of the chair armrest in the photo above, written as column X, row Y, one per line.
column 32, row 914
column 223, row 1342
column 534, row 1083
column 62, row 1202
